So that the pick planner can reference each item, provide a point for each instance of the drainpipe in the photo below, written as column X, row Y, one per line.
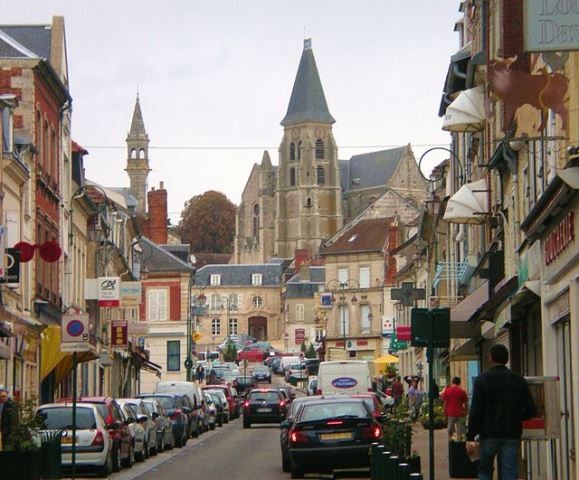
column 511, row 157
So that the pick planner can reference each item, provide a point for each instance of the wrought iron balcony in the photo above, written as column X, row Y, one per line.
column 459, row 272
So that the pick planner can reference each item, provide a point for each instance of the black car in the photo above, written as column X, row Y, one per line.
column 244, row 385
column 261, row 373
column 266, row 405
column 331, row 433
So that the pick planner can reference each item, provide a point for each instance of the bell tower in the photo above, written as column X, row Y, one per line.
column 138, row 159
column 308, row 195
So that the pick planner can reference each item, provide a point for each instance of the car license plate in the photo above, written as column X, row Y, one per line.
column 264, row 410
column 66, row 439
column 337, row 436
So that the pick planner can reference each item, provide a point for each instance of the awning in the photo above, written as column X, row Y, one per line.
column 455, row 78
column 465, row 352
column 52, row 358
column 469, row 205
column 386, row 359
column 466, row 113
column 141, row 360
column 461, row 315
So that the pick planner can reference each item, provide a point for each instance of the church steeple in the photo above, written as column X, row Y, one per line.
column 138, row 159
column 307, row 101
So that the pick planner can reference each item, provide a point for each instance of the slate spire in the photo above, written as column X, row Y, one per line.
column 137, row 124
column 307, row 101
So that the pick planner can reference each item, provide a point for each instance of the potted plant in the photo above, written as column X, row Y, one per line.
column 21, row 455
column 397, row 430
column 390, row 371
column 414, row 461
column 439, row 417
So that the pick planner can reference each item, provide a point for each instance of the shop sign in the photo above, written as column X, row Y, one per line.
column 559, row 308
column 387, row 326
column 11, row 267
column 130, row 294
column 119, row 334
column 559, row 239
column 551, row 25
column 108, row 291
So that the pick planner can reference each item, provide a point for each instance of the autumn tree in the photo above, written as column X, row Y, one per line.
column 208, row 223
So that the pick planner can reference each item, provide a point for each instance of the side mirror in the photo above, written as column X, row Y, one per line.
column 143, row 418
column 284, row 424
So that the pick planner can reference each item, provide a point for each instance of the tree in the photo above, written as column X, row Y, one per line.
column 230, row 353
column 303, row 347
column 311, row 351
column 208, row 223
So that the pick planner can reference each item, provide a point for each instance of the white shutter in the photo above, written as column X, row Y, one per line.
column 364, row 277
column 162, row 305
column 152, row 309
column 342, row 275
column 12, row 229
column 300, row 312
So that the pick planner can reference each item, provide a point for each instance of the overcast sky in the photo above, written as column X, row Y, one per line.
column 215, row 78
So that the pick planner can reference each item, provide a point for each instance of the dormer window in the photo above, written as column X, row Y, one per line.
column 256, row 279
column 215, row 279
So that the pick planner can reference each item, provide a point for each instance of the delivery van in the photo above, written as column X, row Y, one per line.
column 344, row 376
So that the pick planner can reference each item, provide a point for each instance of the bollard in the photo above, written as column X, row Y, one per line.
column 385, row 459
column 379, row 451
column 404, row 471
column 416, row 476
column 374, row 461
column 393, row 468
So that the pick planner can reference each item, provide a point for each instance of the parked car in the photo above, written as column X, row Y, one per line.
column 251, row 354
column 164, row 426
column 261, row 373
column 296, row 372
column 312, row 387
column 194, row 406
column 94, row 445
column 264, row 405
column 221, row 403
column 123, row 454
column 373, row 403
column 244, row 384
column 145, row 421
column 331, row 433
column 211, row 410
column 137, row 431
column 174, row 406
column 230, row 395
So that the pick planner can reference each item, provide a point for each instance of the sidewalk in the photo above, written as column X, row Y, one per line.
column 420, row 444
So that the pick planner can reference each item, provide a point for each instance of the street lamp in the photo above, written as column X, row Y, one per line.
column 196, row 307
column 342, row 287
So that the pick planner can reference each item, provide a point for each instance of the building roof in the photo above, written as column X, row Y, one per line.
column 307, row 102
column 138, row 124
column 25, row 41
column 297, row 288
column 369, row 235
column 202, row 259
column 240, row 275
column 157, row 259
column 369, row 169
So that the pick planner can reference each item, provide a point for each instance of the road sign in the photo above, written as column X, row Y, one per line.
column 407, row 295
column 74, row 334
column 436, row 321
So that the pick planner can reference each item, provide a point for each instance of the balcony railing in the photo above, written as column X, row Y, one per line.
column 459, row 272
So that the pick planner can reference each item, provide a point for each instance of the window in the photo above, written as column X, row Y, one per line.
column 173, row 355
column 364, row 277
column 344, row 320
column 257, row 302
column 320, row 176
column 255, row 226
column 319, row 149
column 233, row 326
column 215, row 302
column 319, row 332
column 292, row 152
column 215, row 279
column 233, row 302
column 343, row 274
column 157, row 305
column 216, row 326
column 299, row 312
column 292, row 175
column 256, row 279
column 365, row 317
column 299, row 150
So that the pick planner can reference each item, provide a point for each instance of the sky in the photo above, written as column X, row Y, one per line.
column 214, row 80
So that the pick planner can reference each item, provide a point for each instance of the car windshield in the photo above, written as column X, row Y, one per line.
column 261, row 370
column 166, row 402
column 150, row 405
column 264, row 397
column 327, row 410
column 61, row 418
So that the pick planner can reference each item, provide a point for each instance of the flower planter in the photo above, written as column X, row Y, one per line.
column 21, row 465
column 459, row 465
column 414, row 463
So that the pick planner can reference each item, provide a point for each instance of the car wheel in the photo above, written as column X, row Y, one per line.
column 117, row 459
column 297, row 472
column 130, row 460
column 141, row 456
column 107, row 468
column 211, row 426
column 285, row 462
column 246, row 423
column 220, row 422
column 197, row 430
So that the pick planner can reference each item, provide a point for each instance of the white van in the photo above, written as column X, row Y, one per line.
column 344, row 376
column 287, row 361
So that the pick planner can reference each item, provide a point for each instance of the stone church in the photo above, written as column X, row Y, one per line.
column 311, row 193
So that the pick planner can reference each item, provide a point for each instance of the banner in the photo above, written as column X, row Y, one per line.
column 119, row 334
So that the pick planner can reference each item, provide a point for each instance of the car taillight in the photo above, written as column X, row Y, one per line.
column 246, row 404
column 372, row 432
column 319, row 391
column 297, row 437
column 282, row 403
column 334, row 422
column 99, row 439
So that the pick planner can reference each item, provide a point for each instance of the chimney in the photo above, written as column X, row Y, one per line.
column 301, row 255
column 158, row 216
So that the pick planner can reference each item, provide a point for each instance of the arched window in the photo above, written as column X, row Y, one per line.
column 320, row 176
column 319, row 149
column 308, row 202
column 292, row 179
column 299, row 150
column 255, row 231
column 142, row 153
column 292, row 151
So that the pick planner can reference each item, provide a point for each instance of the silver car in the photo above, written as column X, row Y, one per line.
column 164, row 425
column 145, row 419
column 211, row 410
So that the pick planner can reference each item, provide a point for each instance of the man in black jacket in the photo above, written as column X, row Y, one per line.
column 7, row 412
column 501, row 400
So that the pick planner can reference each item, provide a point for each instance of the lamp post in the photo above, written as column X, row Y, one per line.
column 196, row 307
column 342, row 287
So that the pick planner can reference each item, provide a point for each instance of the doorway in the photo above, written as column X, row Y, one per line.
column 258, row 328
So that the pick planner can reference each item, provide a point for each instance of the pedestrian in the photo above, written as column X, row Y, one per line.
column 455, row 401
column 501, row 400
column 414, row 398
column 7, row 412
column 397, row 391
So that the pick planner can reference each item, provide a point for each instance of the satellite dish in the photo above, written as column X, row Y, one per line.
column 193, row 259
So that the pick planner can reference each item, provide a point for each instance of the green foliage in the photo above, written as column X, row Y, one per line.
column 439, row 417
column 25, row 426
column 230, row 353
column 397, row 430
column 311, row 351
column 208, row 223
column 303, row 347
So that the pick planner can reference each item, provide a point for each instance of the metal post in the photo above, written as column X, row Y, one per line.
column 430, row 357
column 188, row 361
column 343, row 300
column 74, row 364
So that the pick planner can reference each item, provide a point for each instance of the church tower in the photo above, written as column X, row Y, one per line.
column 307, row 196
column 138, row 159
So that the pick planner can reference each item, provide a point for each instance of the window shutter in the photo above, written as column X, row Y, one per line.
column 300, row 312
column 162, row 305
column 152, row 309
column 342, row 275
column 364, row 277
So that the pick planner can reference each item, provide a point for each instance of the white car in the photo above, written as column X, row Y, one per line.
column 93, row 443
column 312, row 388
column 145, row 418
column 137, row 430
